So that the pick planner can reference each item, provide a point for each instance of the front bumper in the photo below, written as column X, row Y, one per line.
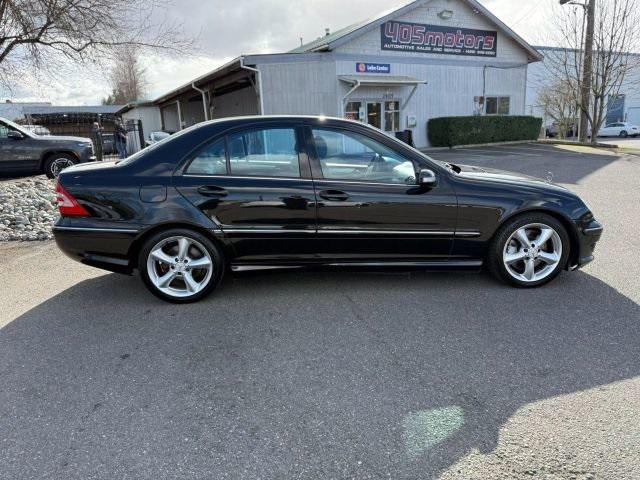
column 588, row 237
column 86, row 154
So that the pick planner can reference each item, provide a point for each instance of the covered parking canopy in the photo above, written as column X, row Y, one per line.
column 231, row 90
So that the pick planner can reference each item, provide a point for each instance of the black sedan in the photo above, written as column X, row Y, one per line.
column 262, row 193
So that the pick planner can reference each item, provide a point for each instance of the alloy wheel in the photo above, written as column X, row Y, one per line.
column 60, row 164
column 532, row 252
column 179, row 266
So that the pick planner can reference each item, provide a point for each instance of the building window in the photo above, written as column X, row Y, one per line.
column 392, row 116
column 352, row 112
column 497, row 105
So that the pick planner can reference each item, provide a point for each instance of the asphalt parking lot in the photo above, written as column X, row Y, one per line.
column 334, row 375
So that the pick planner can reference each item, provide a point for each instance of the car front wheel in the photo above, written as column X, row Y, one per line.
column 180, row 266
column 529, row 251
column 624, row 134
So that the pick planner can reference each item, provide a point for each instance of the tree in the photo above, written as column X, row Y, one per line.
column 559, row 102
column 614, row 38
column 41, row 34
column 127, row 78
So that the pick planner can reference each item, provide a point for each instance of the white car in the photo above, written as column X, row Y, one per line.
column 619, row 129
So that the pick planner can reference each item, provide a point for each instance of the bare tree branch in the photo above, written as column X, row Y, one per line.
column 35, row 34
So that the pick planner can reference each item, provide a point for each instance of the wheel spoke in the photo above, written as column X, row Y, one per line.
column 183, row 248
column 550, row 258
column 203, row 262
column 165, row 281
column 522, row 237
column 529, row 269
column 190, row 282
column 511, row 258
column 159, row 255
column 545, row 235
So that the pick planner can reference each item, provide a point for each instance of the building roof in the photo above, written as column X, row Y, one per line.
column 135, row 104
column 229, row 67
column 334, row 40
column 49, row 109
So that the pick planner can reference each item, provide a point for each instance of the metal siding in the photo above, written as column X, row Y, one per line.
column 464, row 16
column 304, row 88
column 540, row 76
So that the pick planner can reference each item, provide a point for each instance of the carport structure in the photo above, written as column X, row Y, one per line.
column 230, row 90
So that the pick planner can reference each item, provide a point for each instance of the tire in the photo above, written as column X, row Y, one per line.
column 624, row 134
column 57, row 162
column 548, row 259
column 186, row 284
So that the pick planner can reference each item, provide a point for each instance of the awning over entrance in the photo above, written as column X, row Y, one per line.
column 357, row 81
column 381, row 80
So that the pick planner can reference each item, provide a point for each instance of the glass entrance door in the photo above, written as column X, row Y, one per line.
column 374, row 114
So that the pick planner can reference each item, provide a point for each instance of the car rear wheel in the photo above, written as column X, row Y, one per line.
column 624, row 134
column 58, row 162
column 529, row 251
column 180, row 266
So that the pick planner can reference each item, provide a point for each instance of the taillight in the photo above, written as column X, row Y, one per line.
column 67, row 205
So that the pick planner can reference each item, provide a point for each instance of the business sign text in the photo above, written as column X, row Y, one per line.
column 373, row 68
column 416, row 37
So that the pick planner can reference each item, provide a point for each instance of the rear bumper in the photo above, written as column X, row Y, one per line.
column 107, row 249
column 588, row 237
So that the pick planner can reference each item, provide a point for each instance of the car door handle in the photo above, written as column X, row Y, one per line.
column 212, row 191
column 334, row 195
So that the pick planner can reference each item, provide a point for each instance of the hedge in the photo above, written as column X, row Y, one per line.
column 452, row 131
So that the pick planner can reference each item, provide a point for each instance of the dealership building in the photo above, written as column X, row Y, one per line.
column 430, row 58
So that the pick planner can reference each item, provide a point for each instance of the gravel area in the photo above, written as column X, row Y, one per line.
column 27, row 209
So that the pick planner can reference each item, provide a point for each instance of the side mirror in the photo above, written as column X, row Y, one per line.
column 427, row 178
column 15, row 135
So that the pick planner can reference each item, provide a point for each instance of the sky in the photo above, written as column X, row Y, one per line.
column 226, row 29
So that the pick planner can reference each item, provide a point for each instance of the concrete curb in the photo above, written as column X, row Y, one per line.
column 474, row 145
column 578, row 144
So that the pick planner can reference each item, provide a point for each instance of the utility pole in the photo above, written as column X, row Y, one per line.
column 587, row 73
column 587, row 70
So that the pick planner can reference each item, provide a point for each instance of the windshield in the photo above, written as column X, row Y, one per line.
column 17, row 127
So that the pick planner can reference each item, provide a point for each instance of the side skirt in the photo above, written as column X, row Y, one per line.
column 467, row 265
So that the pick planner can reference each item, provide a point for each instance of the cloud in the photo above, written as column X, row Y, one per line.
column 228, row 28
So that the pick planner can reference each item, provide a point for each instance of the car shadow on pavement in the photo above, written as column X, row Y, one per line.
column 303, row 375
column 563, row 166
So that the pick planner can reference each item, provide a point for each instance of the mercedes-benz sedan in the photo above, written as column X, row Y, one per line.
column 290, row 192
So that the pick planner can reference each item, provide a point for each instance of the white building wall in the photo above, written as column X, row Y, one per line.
column 149, row 116
column 463, row 16
column 540, row 76
column 309, row 84
column 300, row 88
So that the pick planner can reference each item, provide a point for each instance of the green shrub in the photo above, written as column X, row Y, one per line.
column 452, row 131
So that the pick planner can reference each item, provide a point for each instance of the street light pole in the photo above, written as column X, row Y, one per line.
column 587, row 72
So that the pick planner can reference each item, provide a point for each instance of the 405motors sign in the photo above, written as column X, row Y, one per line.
column 416, row 37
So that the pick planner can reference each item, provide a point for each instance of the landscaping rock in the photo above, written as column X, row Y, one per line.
column 27, row 209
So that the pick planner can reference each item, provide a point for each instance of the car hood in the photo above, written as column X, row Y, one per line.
column 50, row 138
column 505, row 177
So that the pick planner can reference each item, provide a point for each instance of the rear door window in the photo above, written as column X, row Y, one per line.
column 212, row 160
